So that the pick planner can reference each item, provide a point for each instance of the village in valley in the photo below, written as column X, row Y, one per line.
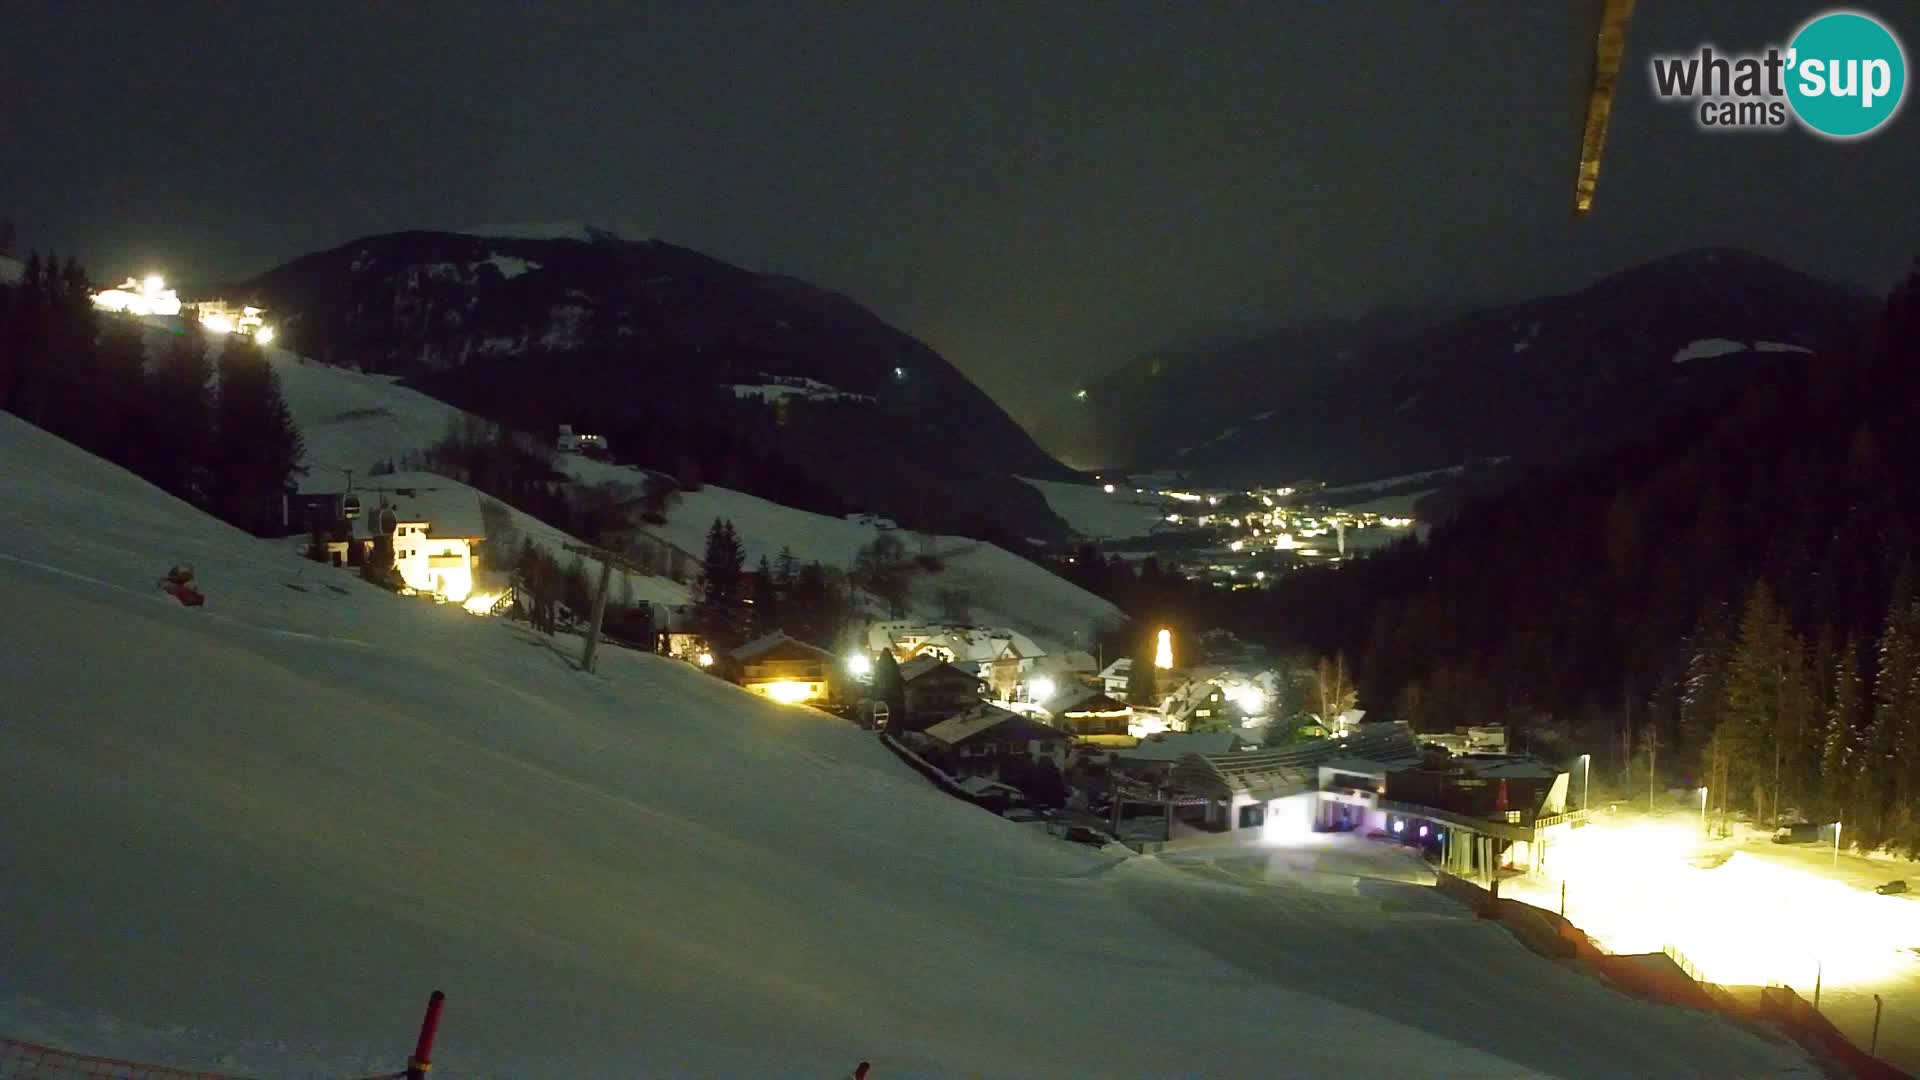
column 1119, row 734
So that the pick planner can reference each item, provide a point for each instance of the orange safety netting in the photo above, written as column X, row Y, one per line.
column 31, row 1061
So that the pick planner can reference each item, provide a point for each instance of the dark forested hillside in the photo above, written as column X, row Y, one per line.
column 1548, row 380
column 689, row 365
column 1733, row 600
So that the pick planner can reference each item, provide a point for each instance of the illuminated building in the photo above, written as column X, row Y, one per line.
column 784, row 669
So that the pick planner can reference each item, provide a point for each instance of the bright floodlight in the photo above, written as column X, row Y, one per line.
column 1039, row 689
column 1163, row 650
column 1251, row 699
column 788, row 692
column 219, row 324
column 705, row 659
column 1109, row 489
column 860, row 664
column 263, row 335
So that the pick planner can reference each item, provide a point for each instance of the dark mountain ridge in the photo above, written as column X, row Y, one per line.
column 647, row 342
column 1539, row 381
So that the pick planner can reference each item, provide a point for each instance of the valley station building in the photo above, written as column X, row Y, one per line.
column 1473, row 814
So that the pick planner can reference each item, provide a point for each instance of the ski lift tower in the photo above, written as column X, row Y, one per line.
column 607, row 560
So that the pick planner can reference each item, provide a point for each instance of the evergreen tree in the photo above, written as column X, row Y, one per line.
column 1896, row 722
column 1143, row 678
column 1704, row 685
column 813, row 607
column 1755, row 691
column 182, row 405
column 786, row 570
column 766, row 600
column 721, row 589
column 1844, row 721
column 887, row 687
column 119, row 422
column 256, row 447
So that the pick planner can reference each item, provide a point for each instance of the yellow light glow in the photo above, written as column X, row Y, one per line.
column 263, row 335
column 1163, row 650
column 149, row 296
column 1741, row 918
column 705, row 659
column 481, row 603
column 219, row 324
column 1145, row 724
column 788, row 692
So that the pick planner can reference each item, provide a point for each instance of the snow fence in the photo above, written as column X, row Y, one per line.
column 30, row 1061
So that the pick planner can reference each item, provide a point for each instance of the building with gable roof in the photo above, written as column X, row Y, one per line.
column 984, row 740
column 784, row 669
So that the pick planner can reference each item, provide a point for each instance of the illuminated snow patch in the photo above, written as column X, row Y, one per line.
column 509, row 266
column 1708, row 348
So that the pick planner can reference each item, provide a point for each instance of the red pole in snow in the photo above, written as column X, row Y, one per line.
column 422, row 1058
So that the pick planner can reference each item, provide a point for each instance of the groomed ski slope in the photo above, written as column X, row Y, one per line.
column 253, row 836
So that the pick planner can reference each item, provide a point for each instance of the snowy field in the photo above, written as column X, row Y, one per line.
column 1091, row 512
column 252, row 836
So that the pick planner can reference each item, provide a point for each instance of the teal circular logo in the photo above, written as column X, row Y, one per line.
column 1847, row 74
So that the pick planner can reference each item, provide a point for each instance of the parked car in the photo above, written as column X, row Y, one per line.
column 1892, row 888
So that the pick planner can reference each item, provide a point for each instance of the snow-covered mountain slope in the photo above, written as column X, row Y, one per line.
column 351, row 421
column 251, row 836
column 1001, row 588
column 1097, row 514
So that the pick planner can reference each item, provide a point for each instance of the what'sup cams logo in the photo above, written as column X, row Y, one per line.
column 1843, row 75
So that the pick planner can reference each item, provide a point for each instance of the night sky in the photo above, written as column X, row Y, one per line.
column 1038, row 190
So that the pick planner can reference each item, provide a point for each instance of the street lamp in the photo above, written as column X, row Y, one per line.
column 1586, row 780
column 1836, row 845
